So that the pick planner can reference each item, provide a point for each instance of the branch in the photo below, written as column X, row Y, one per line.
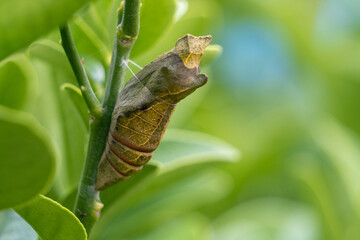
column 87, row 207
column 126, row 34
column 68, row 44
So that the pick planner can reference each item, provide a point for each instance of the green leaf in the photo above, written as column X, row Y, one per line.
column 193, row 226
column 190, row 105
column 129, row 217
column 341, row 146
column 57, row 113
column 51, row 52
column 317, row 175
column 112, row 194
column 201, row 15
column 78, row 101
column 255, row 219
column 27, row 158
column 51, row 220
column 211, row 52
column 17, row 82
column 121, row 189
column 13, row 227
column 69, row 200
column 23, row 21
column 180, row 148
column 90, row 43
column 156, row 17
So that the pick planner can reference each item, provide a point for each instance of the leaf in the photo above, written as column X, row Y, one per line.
column 201, row 15
column 13, row 227
column 27, row 158
column 181, row 148
column 150, row 207
column 211, row 52
column 156, row 18
column 50, row 52
column 51, row 220
column 343, row 152
column 90, row 43
column 111, row 195
column 95, row 70
column 193, row 226
column 254, row 219
column 121, row 189
column 69, row 200
column 314, row 172
column 78, row 101
column 178, row 149
column 17, row 83
column 96, row 73
column 56, row 112
column 23, row 21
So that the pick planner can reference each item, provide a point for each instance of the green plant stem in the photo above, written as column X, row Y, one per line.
column 88, row 205
column 69, row 47
column 126, row 34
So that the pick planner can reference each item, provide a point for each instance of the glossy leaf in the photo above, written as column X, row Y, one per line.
column 254, row 219
column 22, row 21
column 164, row 204
column 139, row 180
column 211, row 52
column 78, row 101
column 181, row 148
column 178, row 149
column 51, row 220
column 314, row 172
column 200, row 15
column 51, row 52
column 190, row 227
column 17, row 82
column 121, row 189
column 156, row 18
column 343, row 152
column 57, row 113
column 89, row 42
column 27, row 158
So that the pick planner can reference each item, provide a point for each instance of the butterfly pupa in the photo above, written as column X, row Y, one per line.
column 144, row 107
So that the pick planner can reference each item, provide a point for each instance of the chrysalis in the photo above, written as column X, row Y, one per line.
column 144, row 107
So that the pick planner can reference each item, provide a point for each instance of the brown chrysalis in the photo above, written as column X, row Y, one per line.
column 144, row 107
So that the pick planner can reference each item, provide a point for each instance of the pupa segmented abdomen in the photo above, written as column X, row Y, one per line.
column 131, row 142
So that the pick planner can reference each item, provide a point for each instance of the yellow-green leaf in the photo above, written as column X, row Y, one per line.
column 22, row 21
column 51, row 220
column 27, row 158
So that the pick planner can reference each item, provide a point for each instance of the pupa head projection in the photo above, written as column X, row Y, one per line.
column 178, row 74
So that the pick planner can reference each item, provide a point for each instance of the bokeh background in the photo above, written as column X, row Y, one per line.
column 282, row 107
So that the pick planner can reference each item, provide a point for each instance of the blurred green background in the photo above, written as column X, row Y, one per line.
column 285, row 92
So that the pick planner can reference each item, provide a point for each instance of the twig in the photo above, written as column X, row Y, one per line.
column 87, row 207
column 68, row 44
column 126, row 34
